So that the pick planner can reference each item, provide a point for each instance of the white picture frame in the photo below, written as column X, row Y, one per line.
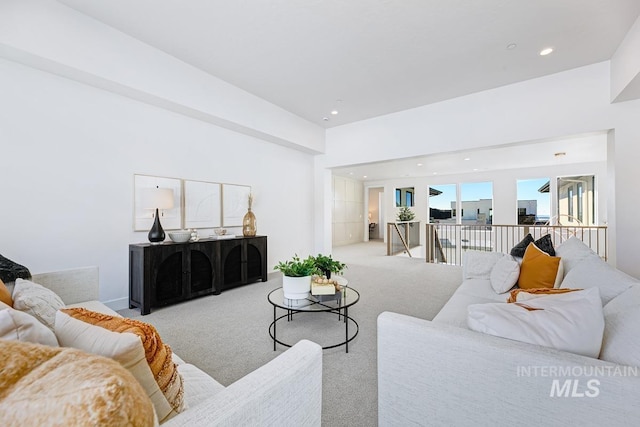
column 235, row 203
column 143, row 216
column 202, row 204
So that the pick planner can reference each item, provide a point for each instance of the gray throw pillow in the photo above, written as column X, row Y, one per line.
column 544, row 244
column 10, row 271
column 518, row 250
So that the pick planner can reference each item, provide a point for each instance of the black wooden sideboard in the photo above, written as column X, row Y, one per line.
column 167, row 273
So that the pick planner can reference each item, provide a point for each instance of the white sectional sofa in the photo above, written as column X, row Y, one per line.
column 271, row 395
column 440, row 372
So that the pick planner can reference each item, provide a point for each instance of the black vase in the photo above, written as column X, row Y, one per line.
column 156, row 234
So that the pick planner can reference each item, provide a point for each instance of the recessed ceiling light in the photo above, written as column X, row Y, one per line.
column 350, row 173
column 364, row 176
column 467, row 158
column 512, row 46
column 475, row 169
column 419, row 164
column 546, row 51
column 560, row 154
column 326, row 119
column 334, row 112
column 435, row 173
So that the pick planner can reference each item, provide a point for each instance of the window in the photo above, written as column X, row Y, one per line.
column 570, row 201
column 580, row 206
column 577, row 200
column 442, row 203
column 533, row 201
column 477, row 200
column 404, row 197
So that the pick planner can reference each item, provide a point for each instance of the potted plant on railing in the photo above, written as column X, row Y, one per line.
column 327, row 265
column 296, row 280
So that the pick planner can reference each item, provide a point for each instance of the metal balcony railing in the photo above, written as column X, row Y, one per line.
column 446, row 243
column 402, row 236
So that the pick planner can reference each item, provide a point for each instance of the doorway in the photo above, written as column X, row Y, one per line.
column 376, row 214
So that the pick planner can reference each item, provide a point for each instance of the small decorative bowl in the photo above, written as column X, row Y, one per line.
column 180, row 236
column 220, row 231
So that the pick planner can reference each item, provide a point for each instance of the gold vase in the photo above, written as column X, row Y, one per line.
column 249, row 224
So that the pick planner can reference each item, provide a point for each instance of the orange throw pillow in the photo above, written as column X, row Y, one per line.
column 538, row 269
column 5, row 295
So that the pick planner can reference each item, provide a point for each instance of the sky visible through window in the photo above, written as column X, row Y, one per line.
column 528, row 190
column 476, row 190
column 443, row 201
column 469, row 191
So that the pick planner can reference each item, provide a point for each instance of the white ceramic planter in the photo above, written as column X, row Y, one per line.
column 296, row 287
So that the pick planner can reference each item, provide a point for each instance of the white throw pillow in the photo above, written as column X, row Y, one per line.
column 570, row 322
column 36, row 300
column 18, row 326
column 592, row 271
column 478, row 264
column 504, row 274
column 572, row 252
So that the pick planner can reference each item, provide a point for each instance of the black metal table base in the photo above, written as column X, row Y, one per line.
column 338, row 312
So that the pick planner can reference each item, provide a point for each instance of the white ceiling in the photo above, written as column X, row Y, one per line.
column 367, row 58
column 376, row 56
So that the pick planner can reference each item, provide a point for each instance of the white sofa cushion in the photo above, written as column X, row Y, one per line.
column 570, row 322
column 471, row 291
column 620, row 342
column 504, row 274
column 592, row 271
column 478, row 264
column 18, row 326
column 198, row 386
column 572, row 251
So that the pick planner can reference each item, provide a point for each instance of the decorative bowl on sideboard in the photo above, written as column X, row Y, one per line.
column 180, row 236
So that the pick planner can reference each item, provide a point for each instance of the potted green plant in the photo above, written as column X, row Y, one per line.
column 405, row 214
column 327, row 265
column 296, row 280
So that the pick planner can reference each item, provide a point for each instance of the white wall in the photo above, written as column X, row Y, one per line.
column 69, row 152
column 625, row 67
column 348, row 211
column 563, row 104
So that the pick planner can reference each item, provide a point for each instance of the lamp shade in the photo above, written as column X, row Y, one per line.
column 157, row 198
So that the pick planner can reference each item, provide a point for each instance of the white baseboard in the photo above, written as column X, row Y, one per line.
column 117, row 304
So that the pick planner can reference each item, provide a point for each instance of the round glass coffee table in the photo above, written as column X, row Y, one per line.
column 337, row 304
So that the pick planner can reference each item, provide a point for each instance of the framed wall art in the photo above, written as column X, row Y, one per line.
column 202, row 204
column 235, row 202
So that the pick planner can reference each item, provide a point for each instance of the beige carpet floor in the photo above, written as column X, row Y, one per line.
column 227, row 335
